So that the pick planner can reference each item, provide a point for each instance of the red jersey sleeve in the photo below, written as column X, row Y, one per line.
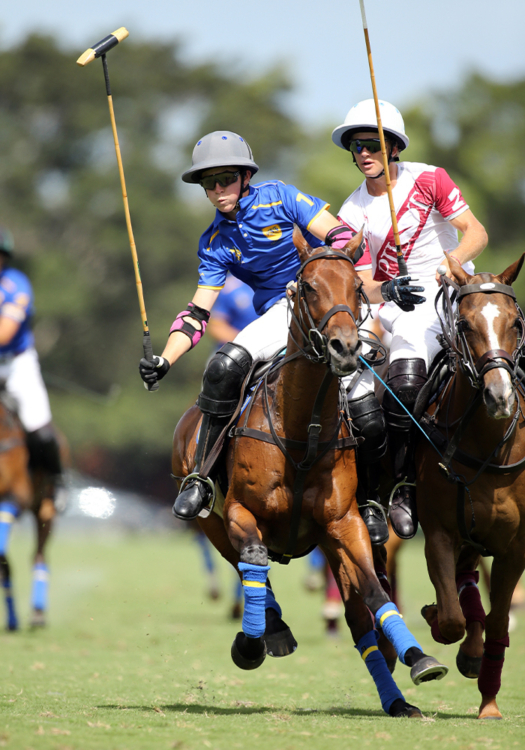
column 448, row 199
column 365, row 261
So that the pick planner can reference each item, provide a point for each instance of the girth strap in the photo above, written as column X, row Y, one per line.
column 295, row 445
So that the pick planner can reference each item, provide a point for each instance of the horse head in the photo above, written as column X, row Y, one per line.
column 327, row 304
column 490, row 334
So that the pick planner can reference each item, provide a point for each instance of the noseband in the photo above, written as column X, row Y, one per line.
column 316, row 348
column 454, row 337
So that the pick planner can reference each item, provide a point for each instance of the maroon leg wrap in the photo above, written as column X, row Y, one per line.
column 489, row 680
column 436, row 633
column 469, row 597
column 332, row 590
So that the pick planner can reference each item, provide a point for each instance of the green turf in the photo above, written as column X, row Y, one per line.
column 136, row 656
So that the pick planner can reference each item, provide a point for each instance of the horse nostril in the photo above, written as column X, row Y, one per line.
column 336, row 346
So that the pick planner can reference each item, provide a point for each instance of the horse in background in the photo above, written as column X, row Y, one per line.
column 471, row 501
column 277, row 507
column 22, row 489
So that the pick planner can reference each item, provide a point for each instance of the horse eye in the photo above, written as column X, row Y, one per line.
column 463, row 325
column 517, row 323
column 308, row 287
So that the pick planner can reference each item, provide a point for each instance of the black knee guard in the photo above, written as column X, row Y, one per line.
column 44, row 452
column 369, row 423
column 405, row 378
column 223, row 379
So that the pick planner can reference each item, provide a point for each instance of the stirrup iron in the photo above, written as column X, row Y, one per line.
column 204, row 512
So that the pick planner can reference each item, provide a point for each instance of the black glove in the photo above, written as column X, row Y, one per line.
column 152, row 372
column 400, row 291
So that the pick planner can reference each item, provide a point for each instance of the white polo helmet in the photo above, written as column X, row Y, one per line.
column 363, row 117
column 221, row 148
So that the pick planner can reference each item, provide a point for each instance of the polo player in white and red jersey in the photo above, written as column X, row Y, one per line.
column 430, row 210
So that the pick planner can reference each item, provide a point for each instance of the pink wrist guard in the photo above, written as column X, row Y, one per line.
column 183, row 326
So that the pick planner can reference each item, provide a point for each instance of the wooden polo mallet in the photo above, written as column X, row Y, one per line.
column 401, row 263
column 99, row 50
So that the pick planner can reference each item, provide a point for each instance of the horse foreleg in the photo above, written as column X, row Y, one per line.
column 347, row 541
column 9, row 510
column 12, row 619
column 468, row 659
column 366, row 638
column 504, row 576
column 40, row 585
column 277, row 635
column 449, row 624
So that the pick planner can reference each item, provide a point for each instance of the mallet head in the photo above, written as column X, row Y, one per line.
column 100, row 48
column 441, row 270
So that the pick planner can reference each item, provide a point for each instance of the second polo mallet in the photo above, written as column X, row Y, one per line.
column 401, row 262
column 99, row 50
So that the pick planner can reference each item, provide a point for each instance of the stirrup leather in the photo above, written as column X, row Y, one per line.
column 204, row 512
column 402, row 483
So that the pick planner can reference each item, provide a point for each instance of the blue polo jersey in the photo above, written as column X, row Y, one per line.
column 16, row 302
column 256, row 247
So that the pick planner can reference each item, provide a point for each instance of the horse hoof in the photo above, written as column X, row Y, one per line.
column 278, row 637
column 469, row 666
column 248, row 653
column 400, row 709
column 426, row 669
column 489, row 709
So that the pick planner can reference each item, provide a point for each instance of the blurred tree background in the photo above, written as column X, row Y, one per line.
column 60, row 195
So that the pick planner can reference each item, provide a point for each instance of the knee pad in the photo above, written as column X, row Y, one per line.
column 223, row 380
column 44, row 452
column 405, row 378
column 368, row 422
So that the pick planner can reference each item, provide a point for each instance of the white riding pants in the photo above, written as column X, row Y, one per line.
column 413, row 334
column 23, row 381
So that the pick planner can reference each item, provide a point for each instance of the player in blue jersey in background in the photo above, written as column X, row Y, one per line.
column 251, row 237
column 20, row 373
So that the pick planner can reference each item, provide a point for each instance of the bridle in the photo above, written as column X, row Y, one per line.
column 454, row 336
column 315, row 342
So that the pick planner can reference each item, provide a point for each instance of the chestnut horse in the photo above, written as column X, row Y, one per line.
column 477, row 423
column 292, row 476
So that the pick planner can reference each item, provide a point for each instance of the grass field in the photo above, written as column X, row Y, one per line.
column 136, row 657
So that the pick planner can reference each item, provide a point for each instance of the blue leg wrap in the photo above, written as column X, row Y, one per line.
column 389, row 619
column 8, row 512
column 205, row 546
column 12, row 619
column 40, row 586
column 271, row 602
column 376, row 665
column 254, row 585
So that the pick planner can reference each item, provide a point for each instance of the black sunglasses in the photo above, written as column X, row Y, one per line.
column 372, row 145
column 223, row 178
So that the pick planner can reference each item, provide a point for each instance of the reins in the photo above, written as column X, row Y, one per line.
column 314, row 348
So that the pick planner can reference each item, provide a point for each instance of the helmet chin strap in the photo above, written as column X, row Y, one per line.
column 242, row 190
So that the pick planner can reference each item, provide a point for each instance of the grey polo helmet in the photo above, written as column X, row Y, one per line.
column 219, row 149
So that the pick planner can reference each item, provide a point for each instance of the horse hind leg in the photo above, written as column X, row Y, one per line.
column 249, row 647
column 9, row 510
column 11, row 617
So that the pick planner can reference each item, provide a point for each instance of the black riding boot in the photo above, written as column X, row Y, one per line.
column 44, row 455
column 218, row 400
column 369, row 423
column 406, row 377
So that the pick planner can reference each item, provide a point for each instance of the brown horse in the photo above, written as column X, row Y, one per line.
column 23, row 490
column 477, row 424
column 277, row 505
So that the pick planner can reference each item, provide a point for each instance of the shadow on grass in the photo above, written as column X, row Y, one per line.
column 211, row 710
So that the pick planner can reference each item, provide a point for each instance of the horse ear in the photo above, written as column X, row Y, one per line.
column 355, row 243
column 510, row 275
column 461, row 276
column 301, row 245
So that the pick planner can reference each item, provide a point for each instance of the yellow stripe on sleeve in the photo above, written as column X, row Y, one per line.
column 324, row 208
column 213, row 288
column 254, row 584
column 267, row 205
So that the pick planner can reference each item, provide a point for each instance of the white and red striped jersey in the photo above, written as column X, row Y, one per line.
column 425, row 200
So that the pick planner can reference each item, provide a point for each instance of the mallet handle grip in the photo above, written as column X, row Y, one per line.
column 100, row 48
